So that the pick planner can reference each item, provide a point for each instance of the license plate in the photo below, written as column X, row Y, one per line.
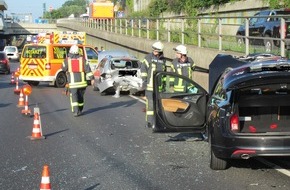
column 32, row 66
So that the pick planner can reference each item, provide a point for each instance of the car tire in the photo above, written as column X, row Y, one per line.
column 268, row 43
column 96, row 83
column 240, row 41
column 215, row 162
column 95, row 88
column 60, row 80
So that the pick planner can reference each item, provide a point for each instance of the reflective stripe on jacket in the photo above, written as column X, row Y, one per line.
column 150, row 65
column 182, row 68
column 77, row 69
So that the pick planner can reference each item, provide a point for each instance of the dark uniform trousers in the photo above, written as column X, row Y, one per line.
column 77, row 99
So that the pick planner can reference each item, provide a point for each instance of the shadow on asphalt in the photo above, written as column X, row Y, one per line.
column 112, row 105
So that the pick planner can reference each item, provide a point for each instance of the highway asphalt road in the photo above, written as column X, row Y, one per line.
column 109, row 148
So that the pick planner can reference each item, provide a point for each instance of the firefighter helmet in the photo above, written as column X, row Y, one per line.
column 74, row 49
column 180, row 49
column 158, row 46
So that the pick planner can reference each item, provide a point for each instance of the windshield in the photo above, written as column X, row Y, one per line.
column 10, row 49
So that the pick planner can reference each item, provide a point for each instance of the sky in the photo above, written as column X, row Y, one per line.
column 35, row 7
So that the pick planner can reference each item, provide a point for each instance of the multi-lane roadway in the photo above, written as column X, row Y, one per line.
column 109, row 148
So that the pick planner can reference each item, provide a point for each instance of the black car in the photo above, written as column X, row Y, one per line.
column 4, row 63
column 263, row 27
column 247, row 113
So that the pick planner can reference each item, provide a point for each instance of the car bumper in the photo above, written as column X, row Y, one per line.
column 126, row 83
column 106, row 84
column 243, row 147
column 13, row 57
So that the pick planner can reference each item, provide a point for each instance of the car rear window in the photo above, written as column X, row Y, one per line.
column 60, row 52
column 128, row 64
column 10, row 49
column 34, row 52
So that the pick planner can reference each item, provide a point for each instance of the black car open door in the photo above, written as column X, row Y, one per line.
column 178, row 110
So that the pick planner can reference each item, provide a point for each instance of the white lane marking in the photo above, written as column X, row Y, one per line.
column 139, row 99
column 274, row 166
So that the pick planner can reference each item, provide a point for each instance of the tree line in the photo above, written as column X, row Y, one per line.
column 155, row 9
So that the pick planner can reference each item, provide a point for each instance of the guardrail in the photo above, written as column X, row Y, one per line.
column 208, row 32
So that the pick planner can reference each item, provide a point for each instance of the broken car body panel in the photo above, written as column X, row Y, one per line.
column 117, row 68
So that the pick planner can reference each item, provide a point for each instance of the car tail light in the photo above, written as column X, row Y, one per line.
column 97, row 73
column 273, row 126
column 4, row 61
column 47, row 66
column 234, row 123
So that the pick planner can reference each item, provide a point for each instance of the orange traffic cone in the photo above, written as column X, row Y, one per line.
column 36, row 131
column 12, row 80
column 45, row 181
column 21, row 99
column 16, row 89
column 26, row 109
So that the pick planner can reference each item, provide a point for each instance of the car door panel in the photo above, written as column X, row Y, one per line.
column 180, row 110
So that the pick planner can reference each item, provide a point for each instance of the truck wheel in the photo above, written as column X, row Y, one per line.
column 33, row 83
column 215, row 162
column 268, row 44
column 60, row 80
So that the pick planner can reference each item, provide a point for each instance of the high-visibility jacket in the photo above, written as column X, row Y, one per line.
column 182, row 68
column 77, row 69
column 149, row 66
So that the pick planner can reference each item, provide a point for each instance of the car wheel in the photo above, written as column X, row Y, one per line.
column 96, row 88
column 96, row 83
column 60, row 80
column 33, row 83
column 217, row 163
column 240, row 41
column 268, row 43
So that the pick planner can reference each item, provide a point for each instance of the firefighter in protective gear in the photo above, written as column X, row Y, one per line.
column 153, row 62
column 182, row 65
column 77, row 69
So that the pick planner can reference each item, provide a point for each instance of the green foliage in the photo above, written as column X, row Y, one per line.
column 187, row 7
column 76, row 7
column 130, row 5
column 275, row 4
column 157, row 7
column 140, row 14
